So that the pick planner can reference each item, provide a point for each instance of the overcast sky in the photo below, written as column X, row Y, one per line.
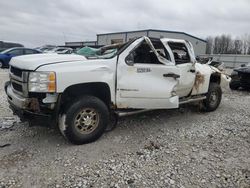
column 37, row 22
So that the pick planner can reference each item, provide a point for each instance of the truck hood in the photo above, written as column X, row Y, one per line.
column 32, row 62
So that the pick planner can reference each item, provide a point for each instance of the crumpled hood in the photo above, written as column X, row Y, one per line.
column 32, row 62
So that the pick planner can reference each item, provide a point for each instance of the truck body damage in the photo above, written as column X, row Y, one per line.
column 143, row 74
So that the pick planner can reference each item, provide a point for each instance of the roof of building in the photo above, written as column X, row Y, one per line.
column 156, row 30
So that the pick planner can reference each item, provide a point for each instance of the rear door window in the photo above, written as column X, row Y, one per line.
column 30, row 51
column 16, row 52
column 180, row 52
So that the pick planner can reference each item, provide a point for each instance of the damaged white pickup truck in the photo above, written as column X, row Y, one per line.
column 82, row 95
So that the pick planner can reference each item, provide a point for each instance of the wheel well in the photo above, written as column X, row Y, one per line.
column 215, row 78
column 98, row 89
column 1, row 61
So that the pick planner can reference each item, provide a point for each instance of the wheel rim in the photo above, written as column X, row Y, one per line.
column 86, row 121
column 213, row 98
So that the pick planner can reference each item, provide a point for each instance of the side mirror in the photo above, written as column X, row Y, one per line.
column 130, row 59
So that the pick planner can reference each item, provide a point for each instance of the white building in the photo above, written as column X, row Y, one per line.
column 110, row 38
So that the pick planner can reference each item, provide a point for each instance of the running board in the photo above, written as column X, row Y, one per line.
column 192, row 100
column 128, row 113
column 122, row 114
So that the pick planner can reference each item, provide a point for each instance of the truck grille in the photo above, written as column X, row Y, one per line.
column 16, row 71
column 17, row 87
column 18, row 79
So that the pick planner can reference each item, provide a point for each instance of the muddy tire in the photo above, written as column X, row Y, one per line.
column 85, row 120
column 213, row 99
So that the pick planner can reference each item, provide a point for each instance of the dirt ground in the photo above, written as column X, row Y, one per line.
column 163, row 148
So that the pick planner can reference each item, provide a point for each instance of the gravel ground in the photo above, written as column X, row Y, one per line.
column 166, row 148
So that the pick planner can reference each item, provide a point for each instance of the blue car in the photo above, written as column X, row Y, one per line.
column 6, row 55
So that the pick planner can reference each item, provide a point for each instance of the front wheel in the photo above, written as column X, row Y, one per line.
column 85, row 120
column 213, row 99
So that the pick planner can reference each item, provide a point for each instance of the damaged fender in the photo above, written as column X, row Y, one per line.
column 203, row 77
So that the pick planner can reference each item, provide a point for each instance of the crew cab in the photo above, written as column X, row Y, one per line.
column 82, row 95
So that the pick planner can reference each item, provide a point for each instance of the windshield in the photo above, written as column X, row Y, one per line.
column 104, row 52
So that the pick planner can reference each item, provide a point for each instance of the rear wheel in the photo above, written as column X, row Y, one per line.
column 1, row 64
column 213, row 99
column 85, row 120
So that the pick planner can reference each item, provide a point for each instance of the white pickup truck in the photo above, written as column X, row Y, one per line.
column 82, row 94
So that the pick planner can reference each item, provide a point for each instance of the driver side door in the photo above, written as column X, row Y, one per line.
column 143, row 82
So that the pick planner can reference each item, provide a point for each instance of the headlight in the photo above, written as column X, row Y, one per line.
column 42, row 82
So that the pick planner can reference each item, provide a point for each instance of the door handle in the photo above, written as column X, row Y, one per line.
column 192, row 70
column 173, row 75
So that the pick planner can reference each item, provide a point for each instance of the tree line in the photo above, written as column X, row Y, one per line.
column 225, row 44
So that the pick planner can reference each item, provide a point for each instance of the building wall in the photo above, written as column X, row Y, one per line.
column 135, row 34
column 199, row 46
column 106, row 39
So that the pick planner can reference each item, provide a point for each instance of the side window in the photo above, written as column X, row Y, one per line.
column 16, row 52
column 180, row 52
column 144, row 54
column 29, row 51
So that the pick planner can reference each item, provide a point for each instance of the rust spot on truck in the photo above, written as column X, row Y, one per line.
column 113, row 106
column 199, row 80
column 34, row 105
column 121, row 105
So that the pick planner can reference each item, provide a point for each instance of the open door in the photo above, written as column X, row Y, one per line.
column 184, row 60
column 146, row 78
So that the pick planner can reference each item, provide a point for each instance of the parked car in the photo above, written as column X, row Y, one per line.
column 6, row 55
column 60, row 50
column 46, row 48
column 82, row 95
column 240, row 78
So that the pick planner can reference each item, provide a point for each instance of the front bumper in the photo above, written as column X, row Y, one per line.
column 14, row 99
column 27, row 109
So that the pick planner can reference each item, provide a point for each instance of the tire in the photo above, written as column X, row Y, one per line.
column 113, row 119
column 234, row 85
column 85, row 120
column 213, row 99
column 1, row 64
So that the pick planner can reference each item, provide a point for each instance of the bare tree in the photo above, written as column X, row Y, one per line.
column 217, row 42
column 245, row 43
column 209, row 47
column 228, row 45
column 248, row 43
column 237, row 48
column 225, row 44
